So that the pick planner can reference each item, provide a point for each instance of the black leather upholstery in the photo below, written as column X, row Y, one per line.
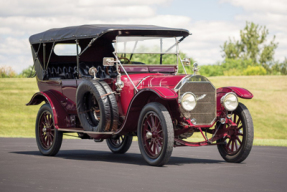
column 69, row 71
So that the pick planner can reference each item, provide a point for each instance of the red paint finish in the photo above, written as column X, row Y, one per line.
column 47, row 85
column 190, row 144
column 163, row 92
column 147, row 80
column 61, row 107
column 240, row 92
column 138, row 102
column 161, row 80
column 69, row 88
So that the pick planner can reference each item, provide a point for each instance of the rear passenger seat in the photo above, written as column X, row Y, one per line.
column 69, row 71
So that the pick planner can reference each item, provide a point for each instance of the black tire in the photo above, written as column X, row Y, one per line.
column 113, row 106
column 48, row 138
column 120, row 144
column 155, row 149
column 235, row 153
column 89, row 96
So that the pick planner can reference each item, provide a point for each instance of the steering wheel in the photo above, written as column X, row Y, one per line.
column 124, row 58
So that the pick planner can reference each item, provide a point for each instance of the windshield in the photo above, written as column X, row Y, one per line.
column 147, row 50
column 135, row 44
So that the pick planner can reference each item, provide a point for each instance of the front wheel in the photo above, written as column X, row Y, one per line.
column 155, row 134
column 120, row 144
column 49, row 139
column 236, row 146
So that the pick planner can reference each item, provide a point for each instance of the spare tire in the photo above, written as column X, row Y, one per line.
column 113, row 106
column 93, row 110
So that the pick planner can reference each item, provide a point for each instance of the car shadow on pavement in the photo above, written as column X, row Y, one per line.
column 127, row 158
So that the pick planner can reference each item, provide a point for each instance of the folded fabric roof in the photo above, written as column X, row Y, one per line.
column 93, row 31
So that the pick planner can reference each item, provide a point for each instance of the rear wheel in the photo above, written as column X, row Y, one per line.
column 155, row 134
column 237, row 145
column 120, row 144
column 48, row 138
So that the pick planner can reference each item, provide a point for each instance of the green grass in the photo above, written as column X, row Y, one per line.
column 268, row 107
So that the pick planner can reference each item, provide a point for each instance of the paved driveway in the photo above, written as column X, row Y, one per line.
column 83, row 165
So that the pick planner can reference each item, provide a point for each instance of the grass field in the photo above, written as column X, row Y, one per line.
column 268, row 107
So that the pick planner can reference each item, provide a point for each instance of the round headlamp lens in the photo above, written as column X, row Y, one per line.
column 188, row 101
column 229, row 101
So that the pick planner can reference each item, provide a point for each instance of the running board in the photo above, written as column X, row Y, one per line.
column 88, row 132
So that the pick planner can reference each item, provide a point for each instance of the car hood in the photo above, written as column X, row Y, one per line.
column 146, row 80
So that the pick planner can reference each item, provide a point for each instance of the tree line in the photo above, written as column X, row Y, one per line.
column 251, row 55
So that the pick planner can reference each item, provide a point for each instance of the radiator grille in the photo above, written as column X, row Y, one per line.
column 205, row 110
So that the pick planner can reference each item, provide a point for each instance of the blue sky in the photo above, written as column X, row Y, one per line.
column 211, row 22
column 200, row 10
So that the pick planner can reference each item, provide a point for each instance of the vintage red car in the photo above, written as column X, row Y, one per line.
column 113, row 82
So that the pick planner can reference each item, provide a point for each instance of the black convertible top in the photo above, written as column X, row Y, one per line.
column 94, row 31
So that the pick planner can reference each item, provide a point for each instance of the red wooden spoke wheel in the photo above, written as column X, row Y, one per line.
column 152, row 135
column 236, row 146
column 120, row 144
column 235, row 136
column 46, row 130
column 155, row 134
column 49, row 139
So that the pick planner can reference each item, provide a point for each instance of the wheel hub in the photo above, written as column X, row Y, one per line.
column 149, row 135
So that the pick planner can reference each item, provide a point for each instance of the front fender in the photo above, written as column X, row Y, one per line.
column 61, row 107
column 240, row 92
column 165, row 96
column 162, row 92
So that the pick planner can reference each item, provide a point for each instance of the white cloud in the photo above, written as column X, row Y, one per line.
column 207, row 36
column 81, row 8
column 269, row 6
column 20, row 19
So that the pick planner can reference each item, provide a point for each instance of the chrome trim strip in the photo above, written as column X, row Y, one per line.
column 143, row 80
column 180, row 82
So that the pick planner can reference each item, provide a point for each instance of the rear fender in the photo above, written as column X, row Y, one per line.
column 162, row 95
column 240, row 92
column 61, row 107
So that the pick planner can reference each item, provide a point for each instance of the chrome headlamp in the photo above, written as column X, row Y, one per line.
column 229, row 101
column 188, row 101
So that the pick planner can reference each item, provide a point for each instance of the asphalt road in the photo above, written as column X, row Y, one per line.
column 83, row 165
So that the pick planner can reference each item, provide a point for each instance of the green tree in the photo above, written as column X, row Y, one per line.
column 28, row 72
column 279, row 68
column 155, row 59
column 252, row 45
